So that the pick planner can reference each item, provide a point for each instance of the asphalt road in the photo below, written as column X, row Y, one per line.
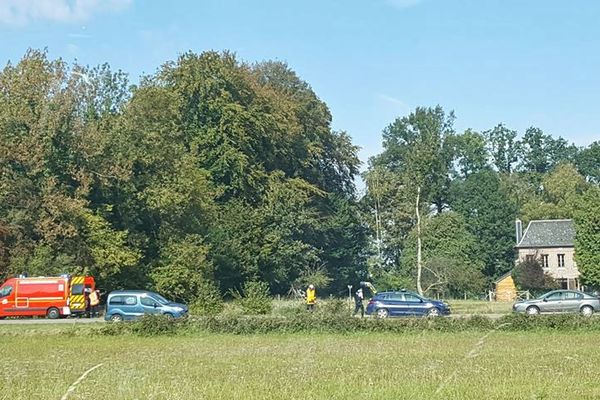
column 32, row 321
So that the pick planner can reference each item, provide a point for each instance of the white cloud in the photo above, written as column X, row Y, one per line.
column 22, row 12
column 404, row 3
column 394, row 101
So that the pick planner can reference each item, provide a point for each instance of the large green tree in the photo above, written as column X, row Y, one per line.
column 490, row 214
column 587, row 238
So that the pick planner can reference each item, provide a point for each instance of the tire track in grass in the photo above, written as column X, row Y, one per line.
column 472, row 353
column 74, row 385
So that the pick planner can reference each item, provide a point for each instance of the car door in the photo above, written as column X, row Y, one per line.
column 414, row 305
column 132, row 307
column 149, row 305
column 571, row 301
column 394, row 303
column 553, row 302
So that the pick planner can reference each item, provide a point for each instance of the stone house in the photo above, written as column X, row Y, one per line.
column 552, row 243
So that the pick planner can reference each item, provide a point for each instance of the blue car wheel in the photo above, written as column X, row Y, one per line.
column 434, row 312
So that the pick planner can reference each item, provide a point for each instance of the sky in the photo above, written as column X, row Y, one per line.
column 521, row 63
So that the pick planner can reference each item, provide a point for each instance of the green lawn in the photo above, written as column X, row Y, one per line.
column 503, row 365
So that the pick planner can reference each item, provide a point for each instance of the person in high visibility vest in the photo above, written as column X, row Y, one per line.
column 311, row 298
column 94, row 302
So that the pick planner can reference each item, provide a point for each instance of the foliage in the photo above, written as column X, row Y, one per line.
column 587, row 238
column 184, row 269
column 529, row 275
column 208, row 300
column 489, row 215
column 315, row 275
column 343, row 323
column 559, row 195
column 209, row 169
column 255, row 299
column 452, row 266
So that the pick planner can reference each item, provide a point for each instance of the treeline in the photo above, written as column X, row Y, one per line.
column 212, row 173
column 459, row 194
column 207, row 174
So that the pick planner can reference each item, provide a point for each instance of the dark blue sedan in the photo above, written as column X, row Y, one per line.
column 405, row 303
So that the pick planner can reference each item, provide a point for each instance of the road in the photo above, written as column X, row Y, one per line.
column 33, row 321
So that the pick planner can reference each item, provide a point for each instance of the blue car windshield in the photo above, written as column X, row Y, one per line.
column 160, row 299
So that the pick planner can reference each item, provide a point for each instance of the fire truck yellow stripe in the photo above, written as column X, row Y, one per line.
column 77, row 280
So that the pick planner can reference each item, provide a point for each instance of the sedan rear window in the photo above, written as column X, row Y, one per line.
column 573, row 296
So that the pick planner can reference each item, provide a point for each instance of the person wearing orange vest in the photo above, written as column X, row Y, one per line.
column 94, row 299
column 311, row 298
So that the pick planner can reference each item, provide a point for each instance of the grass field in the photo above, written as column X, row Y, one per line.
column 39, row 363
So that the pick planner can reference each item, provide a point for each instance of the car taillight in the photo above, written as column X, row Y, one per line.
column 371, row 301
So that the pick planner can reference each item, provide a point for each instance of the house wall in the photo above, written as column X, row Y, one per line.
column 569, row 271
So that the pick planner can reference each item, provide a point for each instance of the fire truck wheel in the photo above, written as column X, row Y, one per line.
column 53, row 313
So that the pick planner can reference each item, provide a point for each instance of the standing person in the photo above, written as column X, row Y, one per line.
column 94, row 302
column 311, row 298
column 88, row 307
column 358, row 303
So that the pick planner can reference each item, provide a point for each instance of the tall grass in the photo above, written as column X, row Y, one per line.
column 413, row 365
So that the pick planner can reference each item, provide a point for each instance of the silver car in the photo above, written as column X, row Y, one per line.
column 560, row 301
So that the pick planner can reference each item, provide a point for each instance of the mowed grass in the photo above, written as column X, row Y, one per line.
column 38, row 363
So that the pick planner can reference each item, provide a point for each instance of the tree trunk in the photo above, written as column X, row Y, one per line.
column 419, row 261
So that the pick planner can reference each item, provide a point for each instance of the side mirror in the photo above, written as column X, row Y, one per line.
column 155, row 305
column 545, row 299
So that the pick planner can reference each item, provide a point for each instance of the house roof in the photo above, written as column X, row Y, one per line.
column 503, row 277
column 549, row 233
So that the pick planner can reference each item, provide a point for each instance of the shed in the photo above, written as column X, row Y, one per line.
column 505, row 288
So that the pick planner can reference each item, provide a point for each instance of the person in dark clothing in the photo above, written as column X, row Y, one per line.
column 358, row 303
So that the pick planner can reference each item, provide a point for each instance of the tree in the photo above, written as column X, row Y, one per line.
column 490, row 215
column 470, row 153
column 587, row 238
column 560, row 193
column 588, row 162
column 541, row 152
column 450, row 264
column 529, row 275
column 416, row 151
column 503, row 147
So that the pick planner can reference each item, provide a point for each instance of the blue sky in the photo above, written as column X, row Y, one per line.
column 523, row 63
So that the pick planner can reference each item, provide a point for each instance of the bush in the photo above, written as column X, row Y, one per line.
column 147, row 325
column 208, row 301
column 529, row 275
column 255, row 299
column 325, row 322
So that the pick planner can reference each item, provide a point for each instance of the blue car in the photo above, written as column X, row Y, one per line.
column 405, row 303
column 132, row 304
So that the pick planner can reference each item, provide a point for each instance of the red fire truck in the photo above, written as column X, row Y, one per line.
column 50, row 296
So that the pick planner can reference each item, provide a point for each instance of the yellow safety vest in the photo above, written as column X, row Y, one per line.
column 311, row 296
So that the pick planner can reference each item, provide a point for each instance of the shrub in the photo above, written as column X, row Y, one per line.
column 154, row 325
column 529, row 275
column 255, row 299
column 208, row 301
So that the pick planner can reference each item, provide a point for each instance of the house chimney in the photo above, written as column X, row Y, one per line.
column 518, row 230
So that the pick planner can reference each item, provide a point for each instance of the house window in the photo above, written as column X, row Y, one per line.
column 561, row 261
column 529, row 258
column 545, row 262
